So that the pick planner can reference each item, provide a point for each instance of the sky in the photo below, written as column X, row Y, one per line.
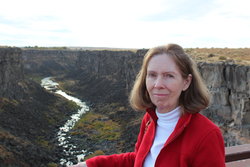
column 125, row 23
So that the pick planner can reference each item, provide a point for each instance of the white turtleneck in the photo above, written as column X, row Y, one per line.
column 165, row 125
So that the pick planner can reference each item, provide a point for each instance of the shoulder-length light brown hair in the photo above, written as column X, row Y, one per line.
column 194, row 99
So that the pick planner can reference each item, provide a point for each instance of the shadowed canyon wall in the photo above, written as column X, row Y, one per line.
column 11, row 72
column 29, row 116
column 49, row 62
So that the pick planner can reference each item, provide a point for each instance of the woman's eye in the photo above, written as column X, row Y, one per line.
column 151, row 75
column 169, row 76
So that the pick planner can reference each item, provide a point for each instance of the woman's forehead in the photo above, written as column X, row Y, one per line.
column 162, row 62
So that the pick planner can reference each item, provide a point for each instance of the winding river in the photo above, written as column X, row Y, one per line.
column 63, row 140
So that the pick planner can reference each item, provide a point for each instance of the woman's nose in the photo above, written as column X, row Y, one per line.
column 159, row 83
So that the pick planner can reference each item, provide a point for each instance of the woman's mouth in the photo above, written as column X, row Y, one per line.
column 160, row 94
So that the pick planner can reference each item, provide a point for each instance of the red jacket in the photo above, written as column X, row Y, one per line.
column 195, row 142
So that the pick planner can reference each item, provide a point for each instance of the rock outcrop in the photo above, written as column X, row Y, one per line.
column 229, row 85
column 119, row 66
column 29, row 117
column 10, row 72
column 49, row 62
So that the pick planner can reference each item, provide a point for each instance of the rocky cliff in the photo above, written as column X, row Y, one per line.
column 10, row 72
column 29, row 116
column 119, row 66
column 229, row 85
column 49, row 62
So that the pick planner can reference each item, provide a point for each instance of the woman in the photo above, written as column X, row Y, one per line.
column 172, row 133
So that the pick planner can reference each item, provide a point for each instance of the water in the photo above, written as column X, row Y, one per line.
column 63, row 140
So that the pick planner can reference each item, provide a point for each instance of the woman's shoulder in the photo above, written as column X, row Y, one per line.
column 201, row 129
column 203, row 123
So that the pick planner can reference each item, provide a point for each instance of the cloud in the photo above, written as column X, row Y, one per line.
column 181, row 9
column 130, row 23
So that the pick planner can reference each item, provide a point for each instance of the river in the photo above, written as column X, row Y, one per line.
column 62, row 135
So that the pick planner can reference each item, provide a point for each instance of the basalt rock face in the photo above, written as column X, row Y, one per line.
column 49, row 62
column 229, row 85
column 10, row 72
column 116, row 72
column 29, row 116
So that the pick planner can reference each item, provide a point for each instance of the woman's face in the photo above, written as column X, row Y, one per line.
column 164, row 82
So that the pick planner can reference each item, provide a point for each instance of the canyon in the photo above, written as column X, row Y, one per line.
column 102, row 78
column 29, row 116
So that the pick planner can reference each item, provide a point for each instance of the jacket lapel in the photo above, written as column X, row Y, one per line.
column 180, row 126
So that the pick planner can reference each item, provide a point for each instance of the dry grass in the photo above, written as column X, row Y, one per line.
column 234, row 55
column 238, row 55
column 97, row 127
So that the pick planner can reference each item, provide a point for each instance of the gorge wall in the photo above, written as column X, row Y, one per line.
column 229, row 85
column 49, row 62
column 11, row 72
column 108, row 76
column 29, row 116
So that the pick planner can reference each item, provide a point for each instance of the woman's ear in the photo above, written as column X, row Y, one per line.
column 187, row 82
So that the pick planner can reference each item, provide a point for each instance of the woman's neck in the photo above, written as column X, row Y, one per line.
column 166, row 109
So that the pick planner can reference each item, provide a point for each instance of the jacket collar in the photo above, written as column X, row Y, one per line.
column 151, row 112
column 180, row 126
column 183, row 121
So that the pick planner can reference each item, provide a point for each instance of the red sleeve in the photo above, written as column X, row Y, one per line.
column 120, row 160
column 211, row 151
column 115, row 160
